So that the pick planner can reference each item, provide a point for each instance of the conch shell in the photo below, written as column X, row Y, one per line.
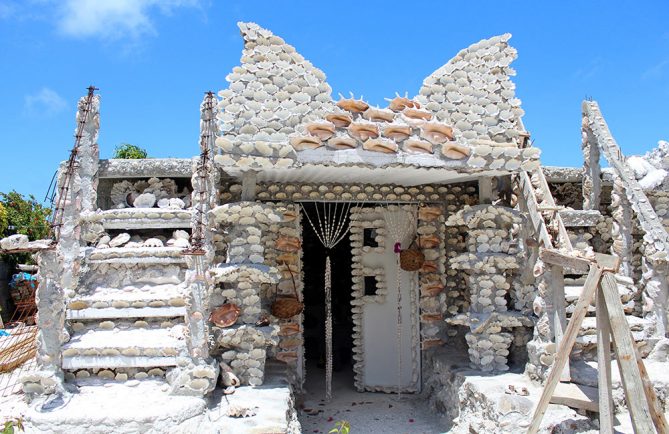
column 377, row 115
column 400, row 103
column 303, row 142
column 412, row 113
column 287, row 356
column 339, row 120
column 342, row 143
column 352, row 105
column 431, row 289
column 418, row 146
column 429, row 213
column 436, row 133
column 397, row 132
column 322, row 130
column 453, row 151
column 380, row 145
column 428, row 241
column 363, row 132
column 288, row 244
column 429, row 267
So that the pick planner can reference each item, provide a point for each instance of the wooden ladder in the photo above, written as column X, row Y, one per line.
column 645, row 411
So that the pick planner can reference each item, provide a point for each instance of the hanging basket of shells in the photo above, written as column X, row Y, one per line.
column 287, row 307
column 412, row 259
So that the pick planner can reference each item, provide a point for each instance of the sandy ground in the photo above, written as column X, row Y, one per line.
column 366, row 412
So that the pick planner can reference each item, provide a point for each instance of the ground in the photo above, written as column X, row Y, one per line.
column 366, row 412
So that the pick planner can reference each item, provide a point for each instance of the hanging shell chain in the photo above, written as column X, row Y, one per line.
column 328, row 329
column 399, row 227
column 59, row 209
column 332, row 229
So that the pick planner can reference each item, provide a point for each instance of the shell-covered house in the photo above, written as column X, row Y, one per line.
column 313, row 232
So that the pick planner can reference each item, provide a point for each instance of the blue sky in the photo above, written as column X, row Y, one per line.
column 152, row 61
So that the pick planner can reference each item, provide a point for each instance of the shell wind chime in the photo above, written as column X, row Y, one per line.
column 400, row 224
column 331, row 228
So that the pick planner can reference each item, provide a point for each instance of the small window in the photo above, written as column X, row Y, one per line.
column 370, row 285
column 369, row 238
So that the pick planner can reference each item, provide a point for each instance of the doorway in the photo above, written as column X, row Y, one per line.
column 313, row 263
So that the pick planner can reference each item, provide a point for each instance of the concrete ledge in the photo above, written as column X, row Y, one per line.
column 578, row 217
column 86, row 362
column 130, row 312
column 148, row 167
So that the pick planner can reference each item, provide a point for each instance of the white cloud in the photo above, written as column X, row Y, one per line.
column 114, row 19
column 45, row 102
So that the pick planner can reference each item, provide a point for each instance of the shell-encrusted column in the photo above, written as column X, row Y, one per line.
column 621, row 229
column 431, row 275
column 591, row 169
column 243, row 275
column 491, row 263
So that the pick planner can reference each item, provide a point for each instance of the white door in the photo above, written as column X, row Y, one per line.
column 388, row 353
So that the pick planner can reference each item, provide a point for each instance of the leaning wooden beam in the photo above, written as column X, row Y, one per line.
column 565, row 259
column 642, row 413
column 656, row 411
column 564, row 350
column 606, row 409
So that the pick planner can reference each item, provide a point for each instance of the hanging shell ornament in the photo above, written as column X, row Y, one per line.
column 225, row 315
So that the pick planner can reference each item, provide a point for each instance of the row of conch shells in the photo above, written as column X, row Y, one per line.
column 147, row 194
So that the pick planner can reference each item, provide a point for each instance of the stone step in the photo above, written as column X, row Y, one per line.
column 139, row 218
column 167, row 342
column 130, row 312
column 124, row 300
column 114, row 362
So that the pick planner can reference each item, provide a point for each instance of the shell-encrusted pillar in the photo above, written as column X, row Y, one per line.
column 491, row 263
column 244, row 344
column 591, row 169
column 198, row 374
column 621, row 230
column 48, row 377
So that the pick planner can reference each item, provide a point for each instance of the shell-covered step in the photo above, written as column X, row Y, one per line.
column 137, row 255
column 124, row 348
column 141, row 301
column 118, row 374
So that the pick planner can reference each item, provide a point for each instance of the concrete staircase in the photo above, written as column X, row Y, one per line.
column 132, row 331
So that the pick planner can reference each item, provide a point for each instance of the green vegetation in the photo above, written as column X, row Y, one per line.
column 127, row 151
column 341, row 427
column 19, row 215
column 9, row 425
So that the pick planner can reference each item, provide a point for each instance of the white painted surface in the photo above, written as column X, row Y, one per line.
column 112, row 312
column 380, row 342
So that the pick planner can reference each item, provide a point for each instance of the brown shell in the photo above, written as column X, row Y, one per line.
column 376, row 115
column 287, row 258
column 436, row 133
column 289, row 216
column 400, row 103
column 305, row 142
column 287, row 356
column 454, row 151
column 363, row 131
column 352, row 105
column 418, row 146
column 412, row 113
column 397, row 132
column 290, row 343
column 431, row 317
column 380, row 145
column 428, row 241
column 429, row 267
column 225, row 315
column 431, row 289
column 322, row 130
column 289, row 329
column 288, row 244
column 432, row 343
column 339, row 120
column 342, row 143
column 429, row 213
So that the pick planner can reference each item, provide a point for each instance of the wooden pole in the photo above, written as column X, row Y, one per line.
column 604, row 366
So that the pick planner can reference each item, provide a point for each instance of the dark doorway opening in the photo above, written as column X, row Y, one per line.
column 313, row 263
